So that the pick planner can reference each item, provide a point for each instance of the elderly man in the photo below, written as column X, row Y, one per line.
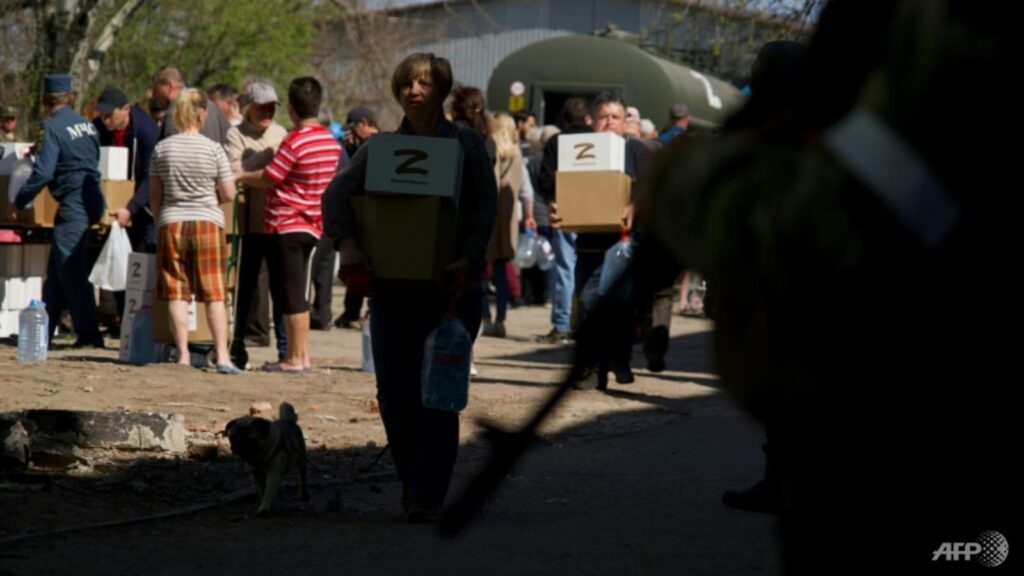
column 226, row 98
column 67, row 161
column 167, row 85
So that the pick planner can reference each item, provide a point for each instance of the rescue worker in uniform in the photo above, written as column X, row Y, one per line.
column 67, row 160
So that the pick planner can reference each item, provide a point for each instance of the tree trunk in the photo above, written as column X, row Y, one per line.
column 71, row 37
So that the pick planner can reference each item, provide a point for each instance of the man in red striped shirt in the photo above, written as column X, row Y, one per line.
column 300, row 172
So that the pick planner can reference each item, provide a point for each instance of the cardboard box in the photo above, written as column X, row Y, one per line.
column 41, row 212
column 406, row 238
column 9, row 321
column 113, row 163
column 591, row 151
column 11, row 260
column 414, row 165
column 117, row 194
column 35, row 259
column 135, row 300
column 592, row 201
column 253, row 205
column 198, row 327
column 12, row 294
column 141, row 271
column 228, row 209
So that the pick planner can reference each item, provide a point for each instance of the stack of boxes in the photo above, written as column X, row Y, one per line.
column 115, row 185
column 43, row 209
column 591, row 184
column 22, row 268
column 406, row 224
column 139, row 289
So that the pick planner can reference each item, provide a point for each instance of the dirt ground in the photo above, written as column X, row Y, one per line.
column 49, row 517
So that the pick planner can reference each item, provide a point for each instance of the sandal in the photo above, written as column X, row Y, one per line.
column 227, row 369
column 278, row 367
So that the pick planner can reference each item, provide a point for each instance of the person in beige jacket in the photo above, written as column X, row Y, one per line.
column 509, row 171
column 251, row 146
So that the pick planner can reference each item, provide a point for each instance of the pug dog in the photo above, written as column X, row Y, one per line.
column 270, row 450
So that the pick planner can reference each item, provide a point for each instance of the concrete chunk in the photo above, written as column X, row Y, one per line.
column 123, row 430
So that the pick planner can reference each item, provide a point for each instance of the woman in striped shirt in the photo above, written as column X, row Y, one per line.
column 189, row 177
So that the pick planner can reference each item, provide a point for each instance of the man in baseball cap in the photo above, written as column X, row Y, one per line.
column 8, row 123
column 120, row 124
column 678, row 122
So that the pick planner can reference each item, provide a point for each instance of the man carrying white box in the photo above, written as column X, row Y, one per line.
column 600, row 176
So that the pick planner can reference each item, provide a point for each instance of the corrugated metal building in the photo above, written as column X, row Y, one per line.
column 477, row 34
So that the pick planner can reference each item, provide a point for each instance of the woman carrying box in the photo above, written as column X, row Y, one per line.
column 188, row 179
column 423, row 442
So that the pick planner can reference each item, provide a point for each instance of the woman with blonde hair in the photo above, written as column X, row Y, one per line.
column 510, row 172
column 189, row 177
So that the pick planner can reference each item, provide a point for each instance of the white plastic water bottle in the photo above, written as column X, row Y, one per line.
column 526, row 250
column 142, row 344
column 368, row 365
column 33, row 332
column 446, row 358
column 545, row 254
column 616, row 263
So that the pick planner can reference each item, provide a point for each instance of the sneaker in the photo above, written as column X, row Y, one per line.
column 320, row 326
column 257, row 341
column 554, row 337
column 496, row 330
column 472, row 370
column 623, row 375
column 761, row 497
column 351, row 324
column 590, row 380
column 655, row 364
column 93, row 343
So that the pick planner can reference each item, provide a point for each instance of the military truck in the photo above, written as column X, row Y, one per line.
column 542, row 76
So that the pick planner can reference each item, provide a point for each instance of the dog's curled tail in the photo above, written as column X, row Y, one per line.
column 287, row 413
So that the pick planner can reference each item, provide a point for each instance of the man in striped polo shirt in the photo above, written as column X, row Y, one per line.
column 300, row 172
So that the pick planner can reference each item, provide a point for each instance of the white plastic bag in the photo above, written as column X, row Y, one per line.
column 111, row 269
column 20, row 174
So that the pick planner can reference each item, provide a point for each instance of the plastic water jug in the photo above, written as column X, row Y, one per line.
column 545, row 254
column 616, row 262
column 526, row 250
column 368, row 365
column 446, row 358
column 33, row 332
column 142, row 344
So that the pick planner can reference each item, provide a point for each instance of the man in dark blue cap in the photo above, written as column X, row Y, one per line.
column 123, row 125
column 67, row 160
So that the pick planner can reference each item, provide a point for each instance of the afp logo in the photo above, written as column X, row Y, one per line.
column 990, row 550
column 408, row 167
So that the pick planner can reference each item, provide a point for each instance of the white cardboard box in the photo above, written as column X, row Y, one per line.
column 11, row 260
column 141, row 271
column 8, row 323
column 414, row 165
column 35, row 259
column 134, row 300
column 12, row 294
column 16, row 293
column 591, row 151
column 113, row 163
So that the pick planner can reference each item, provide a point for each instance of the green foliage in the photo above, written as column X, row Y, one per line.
column 212, row 42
